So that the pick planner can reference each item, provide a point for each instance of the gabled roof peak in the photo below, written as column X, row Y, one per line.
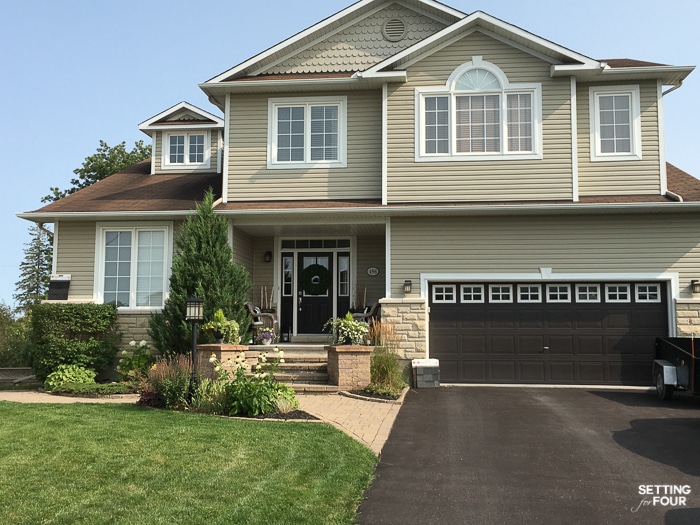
column 181, row 115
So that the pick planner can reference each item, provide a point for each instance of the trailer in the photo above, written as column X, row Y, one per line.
column 676, row 366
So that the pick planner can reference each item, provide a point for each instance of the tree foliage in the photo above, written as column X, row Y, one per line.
column 107, row 161
column 202, row 267
column 34, row 270
column 14, row 346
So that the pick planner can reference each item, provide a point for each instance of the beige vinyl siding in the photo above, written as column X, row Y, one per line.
column 365, row 41
column 243, row 249
column 566, row 244
column 263, row 274
column 158, row 139
column 76, row 256
column 497, row 179
column 640, row 177
column 370, row 254
column 249, row 178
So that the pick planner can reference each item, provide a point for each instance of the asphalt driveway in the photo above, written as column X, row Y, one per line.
column 486, row 455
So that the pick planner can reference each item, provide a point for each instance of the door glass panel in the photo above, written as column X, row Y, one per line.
column 288, row 266
column 312, row 282
column 343, row 275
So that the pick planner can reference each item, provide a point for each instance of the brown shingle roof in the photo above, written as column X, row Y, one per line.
column 682, row 183
column 629, row 62
column 134, row 189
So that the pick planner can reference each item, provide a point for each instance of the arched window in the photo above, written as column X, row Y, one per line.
column 478, row 114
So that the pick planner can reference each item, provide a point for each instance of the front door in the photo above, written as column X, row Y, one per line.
column 315, row 295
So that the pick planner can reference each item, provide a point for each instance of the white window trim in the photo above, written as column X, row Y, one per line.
column 307, row 102
column 492, row 287
column 165, row 147
column 557, row 286
column 534, row 89
column 473, row 286
column 658, row 293
column 98, row 283
column 596, row 286
column 635, row 120
column 539, row 293
column 445, row 287
column 607, row 293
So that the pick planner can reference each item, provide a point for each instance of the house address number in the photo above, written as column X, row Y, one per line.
column 372, row 271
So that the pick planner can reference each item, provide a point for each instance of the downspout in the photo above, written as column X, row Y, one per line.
column 674, row 196
column 43, row 228
column 675, row 87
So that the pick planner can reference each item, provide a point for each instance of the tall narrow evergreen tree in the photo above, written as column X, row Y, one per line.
column 202, row 267
column 34, row 270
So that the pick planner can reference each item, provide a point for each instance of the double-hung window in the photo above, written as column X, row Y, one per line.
column 132, row 265
column 478, row 115
column 186, row 150
column 615, row 123
column 307, row 133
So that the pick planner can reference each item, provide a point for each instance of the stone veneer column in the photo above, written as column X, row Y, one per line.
column 133, row 327
column 409, row 317
column 348, row 366
column 687, row 317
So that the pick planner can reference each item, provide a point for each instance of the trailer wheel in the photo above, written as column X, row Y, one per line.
column 664, row 391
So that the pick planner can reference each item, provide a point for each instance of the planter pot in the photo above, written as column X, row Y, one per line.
column 267, row 342
column 218, row 337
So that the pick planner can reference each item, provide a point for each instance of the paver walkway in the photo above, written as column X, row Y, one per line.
column 367, row 421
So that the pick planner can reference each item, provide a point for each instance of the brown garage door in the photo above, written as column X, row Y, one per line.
column 565, row 333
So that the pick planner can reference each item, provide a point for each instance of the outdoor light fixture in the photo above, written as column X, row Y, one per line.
column 267, row 257
column 407, row 286
column 194, row 312
column 695, row 286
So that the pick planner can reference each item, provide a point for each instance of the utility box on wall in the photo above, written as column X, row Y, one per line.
column 426, row 373
column 58, row 287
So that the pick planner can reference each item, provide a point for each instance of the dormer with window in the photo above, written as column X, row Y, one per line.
column 185, row 139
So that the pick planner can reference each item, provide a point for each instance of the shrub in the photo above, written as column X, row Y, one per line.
column 170, row 380
column 346, row 330
column 227, row 329
column 134, row 364
column 385, row 369
column 73, row 334
column 93, row 390
column 209, row 397
column 72, row 374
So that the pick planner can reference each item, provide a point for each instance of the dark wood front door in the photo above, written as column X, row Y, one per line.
column 314, row 292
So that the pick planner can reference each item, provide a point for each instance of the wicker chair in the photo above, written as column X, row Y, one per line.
column 370, row 313
column 261, row 319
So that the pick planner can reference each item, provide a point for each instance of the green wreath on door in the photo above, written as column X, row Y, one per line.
column 315, row 279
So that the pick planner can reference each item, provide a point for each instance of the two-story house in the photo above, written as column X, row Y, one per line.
column 505, row 199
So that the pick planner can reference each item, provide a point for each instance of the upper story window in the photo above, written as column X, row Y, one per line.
column 186, row 150
column 478, row 115
column 615, row 123
column 307, row 133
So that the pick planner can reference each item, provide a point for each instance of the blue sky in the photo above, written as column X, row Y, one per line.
column 78, row 71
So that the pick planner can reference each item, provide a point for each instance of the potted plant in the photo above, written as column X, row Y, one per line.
column 266, row 336
column 223, row 330
column 347, row 331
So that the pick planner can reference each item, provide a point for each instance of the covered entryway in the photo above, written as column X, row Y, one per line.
column 564, row 333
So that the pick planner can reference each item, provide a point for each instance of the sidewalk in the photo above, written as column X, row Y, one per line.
column 369, row 422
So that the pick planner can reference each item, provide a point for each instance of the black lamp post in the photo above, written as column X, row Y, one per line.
column 194, row 312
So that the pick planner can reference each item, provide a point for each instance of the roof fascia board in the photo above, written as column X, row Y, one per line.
column 661, row 72
column 354, row 80
column 147, row 124
column 103, row 215
column 475, row 18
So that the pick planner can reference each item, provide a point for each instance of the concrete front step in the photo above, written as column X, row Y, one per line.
column 301, row 376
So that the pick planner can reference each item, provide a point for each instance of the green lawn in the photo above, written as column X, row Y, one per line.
column 122, row 464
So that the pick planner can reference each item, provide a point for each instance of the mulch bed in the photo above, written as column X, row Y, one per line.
column 364, row 393
column 294, row 414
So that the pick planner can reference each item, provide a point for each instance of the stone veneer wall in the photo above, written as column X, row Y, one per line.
column 687, row 317
column 133, row 327
column 409, row 317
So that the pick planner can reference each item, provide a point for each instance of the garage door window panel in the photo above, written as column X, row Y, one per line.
column 499, row 293
column 472, row 293
column 558, row 293
column 529, row 293
column 445, row 294
column 587, row 293
column 648, row 293
column 617, row 293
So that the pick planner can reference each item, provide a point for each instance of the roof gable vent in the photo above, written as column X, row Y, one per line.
column 394, row 30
